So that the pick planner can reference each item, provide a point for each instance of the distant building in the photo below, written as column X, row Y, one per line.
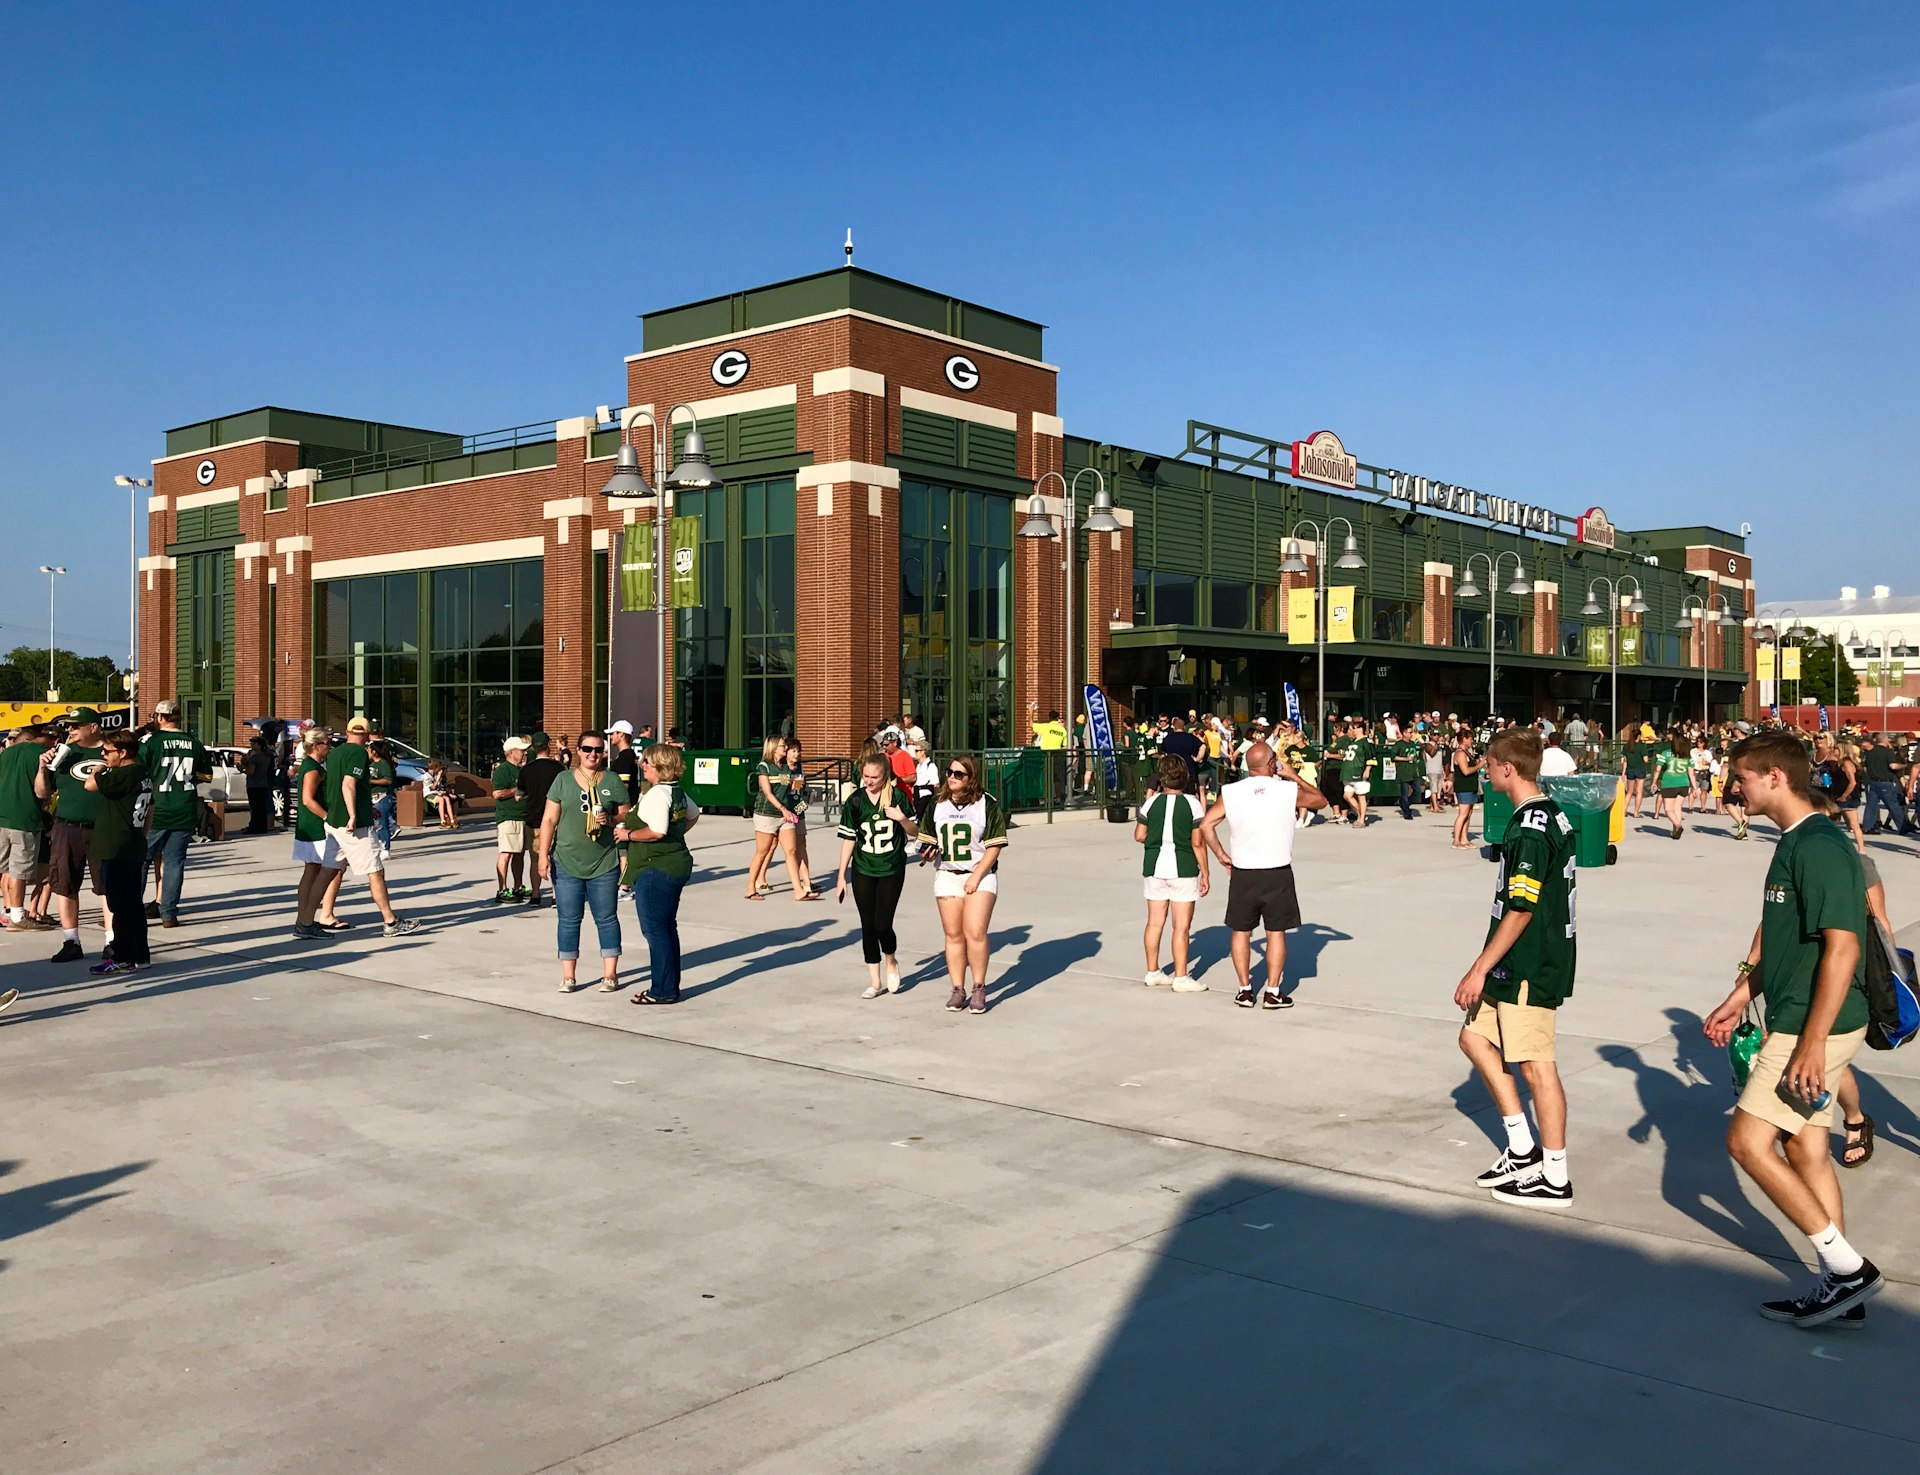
column 1880, row 635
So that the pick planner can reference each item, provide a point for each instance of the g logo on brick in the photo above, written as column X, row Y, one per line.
column 963, row 373
column 204, row 473
column 730, row 367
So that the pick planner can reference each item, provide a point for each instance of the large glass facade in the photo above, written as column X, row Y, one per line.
column 734, row 654
column 956, row 613
column 447, row 660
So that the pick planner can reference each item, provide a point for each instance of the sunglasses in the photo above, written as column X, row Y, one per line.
column 956, row 773
column 590, row 748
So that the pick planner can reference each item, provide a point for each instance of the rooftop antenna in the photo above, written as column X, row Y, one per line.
column 849, row 247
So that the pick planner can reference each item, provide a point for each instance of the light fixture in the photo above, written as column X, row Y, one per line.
column 1519, row 586
column 1466, row 589
column 1350, row 555
column 626, row 484
column 1101, row 518
column 1636, row 605
column 694, row 473
column 1685, row 622
column 1293, row 563
column 1592, row 606
column 1728, row 617
column 1037, row 524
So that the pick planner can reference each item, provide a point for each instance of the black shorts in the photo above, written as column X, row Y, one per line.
column 1262, row 898
column 71, row 860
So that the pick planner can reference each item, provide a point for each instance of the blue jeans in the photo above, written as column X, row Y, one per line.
column 385, row 821
column 171, row 847
column 1888, row 796
column 656, row 896
column 601, row 895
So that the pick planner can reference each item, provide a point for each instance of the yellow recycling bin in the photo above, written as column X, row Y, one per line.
column 1617, row 821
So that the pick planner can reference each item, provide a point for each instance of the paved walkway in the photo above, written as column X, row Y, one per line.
column 400, row 1206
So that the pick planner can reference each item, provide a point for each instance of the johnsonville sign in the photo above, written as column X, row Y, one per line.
column 1321, row 457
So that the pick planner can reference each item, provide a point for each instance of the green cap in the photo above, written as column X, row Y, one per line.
column 81, row 716
column 539, row 742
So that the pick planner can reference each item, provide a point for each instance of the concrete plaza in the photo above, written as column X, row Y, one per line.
column 400, row 1206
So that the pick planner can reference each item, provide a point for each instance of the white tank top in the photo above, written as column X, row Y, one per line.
column 1260, row 819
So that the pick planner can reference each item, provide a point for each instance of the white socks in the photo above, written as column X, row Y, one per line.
column 72, row 934
column 1837, row 1257
column 1519, row 1137
column 1555, row 1167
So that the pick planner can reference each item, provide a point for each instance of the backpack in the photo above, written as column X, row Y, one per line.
column 1893, row 996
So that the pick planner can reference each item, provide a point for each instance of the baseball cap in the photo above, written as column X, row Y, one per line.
column 1260, row 722
column 81, row 716
column 515, row 744
column 358, row 724
column 168, row 708
column 622, row 726
column 538, row 742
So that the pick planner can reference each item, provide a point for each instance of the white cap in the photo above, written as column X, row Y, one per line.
column 515, row 744
column 622, row 726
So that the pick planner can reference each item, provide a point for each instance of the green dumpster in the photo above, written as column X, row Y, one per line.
column 1495, row 810
column 720, row 778
column 1587, row 801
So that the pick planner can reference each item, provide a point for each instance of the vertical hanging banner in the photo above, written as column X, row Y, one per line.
column 1896, row 673
column 1826, row 724
column 1876, row 673
column 684, row 533
column 1300, row 621
column 1630, row 645
column 1790, row 663
column 1340, row 616
column 1763, row 663
column 1597, row 646
column 636, row 568
column 1293, row 704
column 1100, row 729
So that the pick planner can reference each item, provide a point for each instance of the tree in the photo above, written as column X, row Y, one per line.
column 79, row 678
column 1817, row 662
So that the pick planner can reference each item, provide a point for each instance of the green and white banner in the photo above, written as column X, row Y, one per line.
column 636, row 568
column 1596, row 645
column 1630, row 645
column 685, row 588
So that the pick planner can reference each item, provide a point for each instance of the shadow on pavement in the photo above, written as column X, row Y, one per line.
column 38, row 1205
column 1304, row 946
column 1042, row 961
column 1281, row 1328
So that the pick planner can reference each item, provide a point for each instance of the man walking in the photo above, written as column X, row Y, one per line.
column 72, row 836
column 622, row 761
column 1807, row 959
column 1884, row 771
column 350, row 822
column 1258, row 811
column 177, row 764
column 510, row 824
column 1179, row 743
column 1523, row 974
column 257, row 764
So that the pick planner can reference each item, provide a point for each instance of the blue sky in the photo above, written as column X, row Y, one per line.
column 1657, row 258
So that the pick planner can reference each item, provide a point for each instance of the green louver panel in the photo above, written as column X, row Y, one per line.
column 223, row 520
column 989, row 448
column 183, row 615
column 190, row 525
column 1180, row 541
column 761, row 433
column 1137, row 498
column 225, row 563
column 1231, row 545
column 1390, row 571
column 928, row 437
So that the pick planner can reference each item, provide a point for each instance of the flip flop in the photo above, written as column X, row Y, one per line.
column 1864, row 1130
column 756, row 896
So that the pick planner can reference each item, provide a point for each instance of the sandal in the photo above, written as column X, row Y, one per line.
column 808, row 896
column 644, row 998
column 1863, row 1129
column 756, row 896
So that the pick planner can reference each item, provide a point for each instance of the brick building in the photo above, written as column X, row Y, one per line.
column 879, row 445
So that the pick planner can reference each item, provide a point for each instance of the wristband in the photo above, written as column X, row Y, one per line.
column 1746, row 969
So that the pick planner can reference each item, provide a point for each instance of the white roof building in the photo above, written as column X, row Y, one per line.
column 1880, row 626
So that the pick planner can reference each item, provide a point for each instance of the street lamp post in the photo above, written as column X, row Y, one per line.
column 693, row 474
column 1467, row 589
column 53, row 574
column 1777, row 636
column 1039, row 525
column 1637, row 605
column 1878, row 640
column 134, row 485
column 1724, row 618
column 1296, row 563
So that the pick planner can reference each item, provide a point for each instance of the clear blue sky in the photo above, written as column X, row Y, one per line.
column 1656, row 257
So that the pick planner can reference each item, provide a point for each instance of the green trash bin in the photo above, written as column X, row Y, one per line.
column 1587, row 801
column 717, row 778
column 1495, row 810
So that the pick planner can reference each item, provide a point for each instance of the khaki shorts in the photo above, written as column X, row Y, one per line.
column 1523, row 1031
column 768, row 824
column 1761, row 1096
column 1173, row 888
column 512, row 834
column 358, row 849
column 19, row 853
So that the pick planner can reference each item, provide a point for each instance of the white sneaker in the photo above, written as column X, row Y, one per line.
column 873, row 991
column 1156, row 979
column 893, row 983
column 1186, row 985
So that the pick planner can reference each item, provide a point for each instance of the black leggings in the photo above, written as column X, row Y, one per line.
column 1333, row 790
column 877, row 897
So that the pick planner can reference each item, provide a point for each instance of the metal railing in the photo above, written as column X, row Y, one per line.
column 438, row 450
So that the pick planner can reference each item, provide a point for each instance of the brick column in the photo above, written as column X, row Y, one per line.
column 157, row 650
column 1436, row 596
column 292, row 574
column 1546, row 618
column 567, row 585
column 846, row 567
column 1040, row 618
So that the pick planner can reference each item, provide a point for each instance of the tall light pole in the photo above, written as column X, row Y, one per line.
column 53, row 574
column 1637, row 605
column 693, row 474
column 1519, row 588
column 1296, row 563
column 1777, row 636
column 1039, row 525
column 1706, row 618
column 134, row 485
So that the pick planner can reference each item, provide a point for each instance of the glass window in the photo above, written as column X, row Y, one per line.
column 530, row 598
column 1396, row 620
column 366, row 617
column 1573, row 640
column 450, row 591
column 1470, row 628
column 403, row 612
column 492, row 607
column 1173, row 599
column 1232, row 604
column 1142, row 596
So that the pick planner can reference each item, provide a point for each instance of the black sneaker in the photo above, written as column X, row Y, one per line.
column 534, row 901
column 519, row 894
column 106, row 953
column 1273, row 999
column 956, row 1001
column 1244, row 998
column 1510, row 1165
column 70, row 952
column 153, row 911
column 1831, row 1299
column 1535, row 1193
column 503, row 894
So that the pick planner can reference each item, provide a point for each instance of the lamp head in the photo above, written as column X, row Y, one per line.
column 1466, row 589
column 1520, row 585
column 1636, row 605
column 694, row 473
column 1350, row 555
column 1294, row 562
column 1101, row 518
column 1592, row 606
column 626, row 484
column 1036, row 525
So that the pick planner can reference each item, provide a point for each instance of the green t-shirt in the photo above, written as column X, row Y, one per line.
column 507, row 776
column 306, row 824
column 1402, row 760
column 123, row 813
column 19, row 805
column 575, row 851
column 1814, row 884
column 1675, row 769
column 879, row 843
column 777, row 774
column 76, row 803
column 669, row 856
column 1636, row 756
column 1537, row 876
column 1354, row 759
column 380, row 772
column 177, row 763
column 1170, row 820
column 349, row 760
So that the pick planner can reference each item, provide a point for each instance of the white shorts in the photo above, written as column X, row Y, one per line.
column 318, row 853
column 954, row 883
column 1172, row 888
column 1360, row 788
column 356, row 848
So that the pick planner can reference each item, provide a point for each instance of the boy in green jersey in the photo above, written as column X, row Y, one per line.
column 1400, row 764
column 1807, row 960
column 1358, row 761
column 1523, row 974
column 177, row 764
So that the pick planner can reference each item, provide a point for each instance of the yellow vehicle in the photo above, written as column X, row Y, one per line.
column 113, row 715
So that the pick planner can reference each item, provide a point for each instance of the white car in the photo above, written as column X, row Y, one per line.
column 228, row 786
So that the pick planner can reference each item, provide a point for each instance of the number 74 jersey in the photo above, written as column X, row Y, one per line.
column 963, row 833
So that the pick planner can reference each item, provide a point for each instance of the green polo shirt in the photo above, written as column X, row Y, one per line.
column 514, row 806
column 1815, row 884
column 349, row 760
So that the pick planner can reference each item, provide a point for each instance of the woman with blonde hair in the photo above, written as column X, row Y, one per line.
column 770, row 816
column 793, row 833
column 965, row 830
column 659, row 865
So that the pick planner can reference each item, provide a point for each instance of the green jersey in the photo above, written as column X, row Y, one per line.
column 776, row 777
column 1170, row 821
column 1814, row 885
column 380, row 775
column 1402, row 761
column 514, row 806
column 1636, row 756
column 122, row 817
column 1675, row 769
column 19, row 805
column 75, row 803
column 1355, row 759
column 963, row 833
column 1536, row 876
column 349, row 761
column 306, row 824
column 177, row 763
column 879, row 841
column 576, row 852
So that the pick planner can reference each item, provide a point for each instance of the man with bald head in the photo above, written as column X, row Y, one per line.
column 1259, row 812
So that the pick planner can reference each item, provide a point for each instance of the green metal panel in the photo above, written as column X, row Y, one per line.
column 761, row 433
column 1138, row 498
column 604, row 443
column 988, row 448
column 1392, row 572
column 1180, row 531
column 333, row 434
column 224, row 563
column 223, row 520
column 407, row 476
column 189, row 524
column 185, row 662
column 1231, row 550
column 928, row 437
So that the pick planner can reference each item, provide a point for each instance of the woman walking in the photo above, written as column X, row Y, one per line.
column 770, row 815
column 875, row 828
column 1175, row 867
column 966, row 830
column 1466, row 789
column 1633, row 767
column 1673, row 769
column 322, row 866
column 659, row 865
column 585, row 808
column 380, row 778
column 793, row 832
